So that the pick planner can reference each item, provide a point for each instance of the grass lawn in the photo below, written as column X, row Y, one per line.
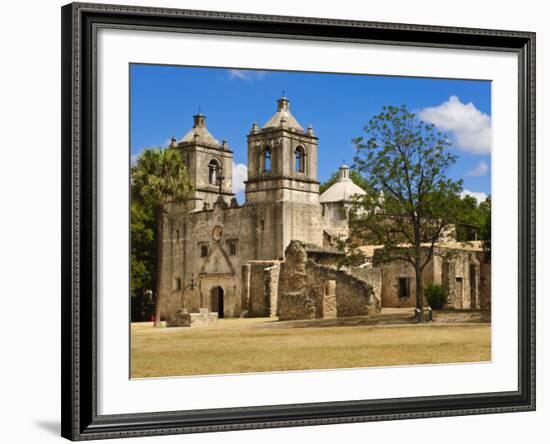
column 262, row 344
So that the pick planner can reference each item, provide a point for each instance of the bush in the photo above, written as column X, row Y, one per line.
column 436, row 296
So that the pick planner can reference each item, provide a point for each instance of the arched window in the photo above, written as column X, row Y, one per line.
column 213, row 172
column 267, row 160
column 300, row 160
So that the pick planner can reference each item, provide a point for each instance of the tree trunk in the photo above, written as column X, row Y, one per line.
column 419, row 291
column 418, row 272
column 419, row 296
column 160, row 243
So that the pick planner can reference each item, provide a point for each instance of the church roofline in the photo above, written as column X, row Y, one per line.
column 214, row 189
column 204, row 145
column 267, row 178
column 287, row 131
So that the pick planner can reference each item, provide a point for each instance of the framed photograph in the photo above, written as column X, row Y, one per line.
column 275, row 221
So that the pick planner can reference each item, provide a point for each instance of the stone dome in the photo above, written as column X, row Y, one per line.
column 283, row 117
column 343, row 189
column 199, row 134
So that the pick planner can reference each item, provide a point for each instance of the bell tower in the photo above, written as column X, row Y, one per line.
column 209, row 164
column 282, row 181
column 282, row 160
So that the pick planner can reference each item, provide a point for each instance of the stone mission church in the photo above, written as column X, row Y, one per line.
column 275, row 255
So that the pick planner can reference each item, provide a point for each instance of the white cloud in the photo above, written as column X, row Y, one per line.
column 479, row 170
column 469, row 128
column 240, row 174
column 477, row 195
column 247, row 75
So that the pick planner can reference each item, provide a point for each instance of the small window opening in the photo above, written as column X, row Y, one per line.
column 404, row 287
column 299, row 160
column 267, row 160
column 232, row 248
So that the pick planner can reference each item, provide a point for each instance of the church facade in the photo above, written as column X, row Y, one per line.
column 229, row 259
column 211, row 241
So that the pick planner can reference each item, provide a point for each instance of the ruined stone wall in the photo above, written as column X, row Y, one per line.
column 294, row 301
column 271, row 276
column 262, row 290
column 458, row 271
column 354, row 295
column 296, row 305
column 329, row 304
column 310, row 290
column 373, row 276
column 463, row 280
column 485, row 281
column 325, row 255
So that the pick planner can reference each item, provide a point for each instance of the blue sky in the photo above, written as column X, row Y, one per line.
column 164, row 99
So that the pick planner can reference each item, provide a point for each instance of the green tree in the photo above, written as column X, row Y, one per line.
column 410, row 202
column 485, row 208
column 354, row 175
column 143, row 253
column 159, row 177
column 472, row 220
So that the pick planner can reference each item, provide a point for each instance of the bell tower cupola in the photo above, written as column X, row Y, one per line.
column 209, row 164
column 282, row 159
column 282, row 190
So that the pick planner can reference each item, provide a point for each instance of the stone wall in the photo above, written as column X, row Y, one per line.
column 373, row 276
column 329, row 308
column 354, row 295
column 460, row 271
column 391, row 273
column 310, row 290
column 254, row 229
column 463, row 282
column 262, row 288
column 296, row 305
column 485, row 281
column 203, row 318
column 294, row 301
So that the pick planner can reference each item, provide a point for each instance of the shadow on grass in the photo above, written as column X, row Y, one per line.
column 392, row 318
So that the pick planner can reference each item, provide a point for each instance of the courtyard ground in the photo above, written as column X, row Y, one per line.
column 264, row 344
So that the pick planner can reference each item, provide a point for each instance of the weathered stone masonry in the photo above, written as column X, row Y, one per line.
column 272, row 256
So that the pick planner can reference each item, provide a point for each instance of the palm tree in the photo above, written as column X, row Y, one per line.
column 159, row 176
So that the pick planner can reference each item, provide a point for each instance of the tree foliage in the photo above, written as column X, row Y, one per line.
column 485, row 209
column 436, row 296
column 410, row 201
column 159, row 177
column 473, row 219
column 143, row 253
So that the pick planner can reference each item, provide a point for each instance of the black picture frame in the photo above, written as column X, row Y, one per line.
column 80, row 420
